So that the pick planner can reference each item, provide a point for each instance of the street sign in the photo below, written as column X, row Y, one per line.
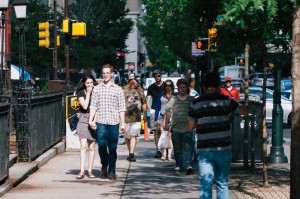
column 197, row 52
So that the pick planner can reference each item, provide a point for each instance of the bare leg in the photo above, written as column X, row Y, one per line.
column 83, row 147
column 127, row 141
column 170, row 150
column 156, row 138
column 132, row 144
column 91, row 144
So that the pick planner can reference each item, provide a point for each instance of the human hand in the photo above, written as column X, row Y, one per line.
column 89, row 89
column 93, row 125
column 122, row 128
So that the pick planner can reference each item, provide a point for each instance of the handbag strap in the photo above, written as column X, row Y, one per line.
column 228, row 91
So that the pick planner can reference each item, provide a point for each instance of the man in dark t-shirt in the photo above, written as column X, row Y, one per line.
column 154, row 90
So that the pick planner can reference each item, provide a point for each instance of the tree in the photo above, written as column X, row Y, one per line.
column 38, row 60
column 295, row 134
column 107, row 30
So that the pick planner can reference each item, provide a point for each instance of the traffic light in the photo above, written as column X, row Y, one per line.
column 78, row 29
column 199, row 44
column 212, row 40
column 57, row 40
column 241, row 61
column 44, row 34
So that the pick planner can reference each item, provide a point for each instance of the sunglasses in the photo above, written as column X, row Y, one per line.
column 156, row 76
column 170, row 85
column 227, row 81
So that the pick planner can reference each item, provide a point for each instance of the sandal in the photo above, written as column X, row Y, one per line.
column 170, row 159
column 90, row 175
column 80, row 175
column 163, row 157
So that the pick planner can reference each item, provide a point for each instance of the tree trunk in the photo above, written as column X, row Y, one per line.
column 295, row 135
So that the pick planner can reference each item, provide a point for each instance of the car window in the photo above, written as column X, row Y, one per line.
column 259, row 93
column 269, row 76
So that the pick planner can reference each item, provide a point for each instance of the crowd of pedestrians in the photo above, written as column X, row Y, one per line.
column 198, row 126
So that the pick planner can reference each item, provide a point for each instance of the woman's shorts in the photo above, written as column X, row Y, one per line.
column 132, row 129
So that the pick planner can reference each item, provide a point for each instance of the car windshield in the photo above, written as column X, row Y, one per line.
column 286, row 94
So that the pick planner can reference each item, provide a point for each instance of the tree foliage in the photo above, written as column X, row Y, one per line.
column 178, row 23
column 37, row 59
column 107, row 31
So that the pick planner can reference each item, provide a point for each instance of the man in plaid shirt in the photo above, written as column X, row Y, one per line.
column 108, row 106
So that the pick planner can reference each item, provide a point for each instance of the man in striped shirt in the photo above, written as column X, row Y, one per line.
column 210, row 114
column 108, row 106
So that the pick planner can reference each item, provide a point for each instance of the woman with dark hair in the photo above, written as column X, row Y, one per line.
column 85, row 133
column 161, row 103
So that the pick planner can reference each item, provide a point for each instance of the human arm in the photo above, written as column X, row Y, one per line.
column 122, row 110
column 84, row 102
column 191, row 125
column 92, row 119
column 122, row 122
column 148, row 102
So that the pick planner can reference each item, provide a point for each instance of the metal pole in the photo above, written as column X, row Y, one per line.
column 277, row 155
column 22, row 53
column 20, row 56
column 67, row 48
column 55, row 42
column 2, row 50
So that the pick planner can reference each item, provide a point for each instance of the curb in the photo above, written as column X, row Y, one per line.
column 19, row 171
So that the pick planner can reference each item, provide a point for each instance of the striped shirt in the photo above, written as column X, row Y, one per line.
column 179, row 109
column 108, row 101
column 212, row 115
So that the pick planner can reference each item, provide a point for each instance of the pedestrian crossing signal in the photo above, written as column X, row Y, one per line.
column 199, row 44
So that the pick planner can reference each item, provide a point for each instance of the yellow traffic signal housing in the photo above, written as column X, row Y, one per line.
column 212, row 40
column 44, row 34
column 66, row 26
column 78, row 29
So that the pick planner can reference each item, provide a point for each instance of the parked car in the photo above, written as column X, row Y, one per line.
column 285, row 103
column 286, row 84
column 257, row 80
column 287, row 94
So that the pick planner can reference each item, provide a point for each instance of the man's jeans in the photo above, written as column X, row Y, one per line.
column 107, row 137
column 183, row 148
column 214, row 165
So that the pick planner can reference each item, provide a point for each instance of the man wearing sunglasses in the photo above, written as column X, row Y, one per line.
column 229, row 90
column 154, row 90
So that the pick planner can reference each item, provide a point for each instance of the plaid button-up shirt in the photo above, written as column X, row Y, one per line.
column 108, row 101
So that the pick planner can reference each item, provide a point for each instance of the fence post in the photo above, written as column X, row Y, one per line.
column 23, row 124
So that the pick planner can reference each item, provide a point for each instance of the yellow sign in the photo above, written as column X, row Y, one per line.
column 72, row 106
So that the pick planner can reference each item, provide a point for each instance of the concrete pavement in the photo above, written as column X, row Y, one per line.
column 53, row 176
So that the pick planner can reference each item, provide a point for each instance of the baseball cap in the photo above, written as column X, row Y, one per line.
column 228, row 79
column 156, row 71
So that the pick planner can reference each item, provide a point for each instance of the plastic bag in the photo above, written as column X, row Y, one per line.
column 164, row 142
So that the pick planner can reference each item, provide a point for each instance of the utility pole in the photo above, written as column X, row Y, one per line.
column 55, row 40
column 67, row 40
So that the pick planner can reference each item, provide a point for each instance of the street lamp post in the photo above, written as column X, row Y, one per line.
column 3, row 8
column 21, row 11
column 277, row 155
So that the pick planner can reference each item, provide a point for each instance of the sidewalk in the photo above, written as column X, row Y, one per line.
column 146, row 178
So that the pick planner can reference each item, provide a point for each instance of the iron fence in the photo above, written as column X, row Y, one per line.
column 4, row 140
column 39, row 123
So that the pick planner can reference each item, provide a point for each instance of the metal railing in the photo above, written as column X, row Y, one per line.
column 4, row 140
column 39, row 123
